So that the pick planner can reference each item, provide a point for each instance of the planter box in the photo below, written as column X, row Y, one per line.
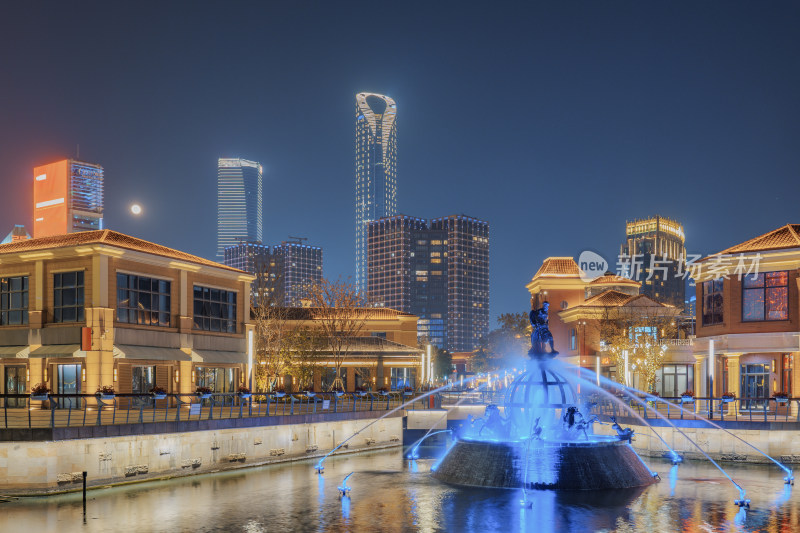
column 728, row 400
column 204, row 395
column 280, row 394
column 103, row 396
column 781, row 400
column 159, row 396
column 310, row 394
column 384, row 393
column 407, row 394
column 39, row 397
column 687, row 399
column 362, row 394
column 245, row 395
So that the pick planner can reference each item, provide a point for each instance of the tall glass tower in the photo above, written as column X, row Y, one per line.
column 239, row 203
column 376, row 170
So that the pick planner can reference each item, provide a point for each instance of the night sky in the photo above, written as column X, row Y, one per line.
column 555, row 122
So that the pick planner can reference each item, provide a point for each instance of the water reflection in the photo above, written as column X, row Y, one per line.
column 390, row 493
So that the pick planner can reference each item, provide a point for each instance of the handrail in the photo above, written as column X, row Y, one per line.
column 79, row 410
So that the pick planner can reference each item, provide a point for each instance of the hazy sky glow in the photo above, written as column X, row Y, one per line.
column 555, row 122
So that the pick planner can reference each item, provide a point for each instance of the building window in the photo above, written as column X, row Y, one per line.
column 143, row 379
column 754, row 385
column 218, row 379
column 765, row 296
column 712, row 302
column 14, row 301
column 68, row 297
column 214, row 309
column 142, row 300
column 674, row 380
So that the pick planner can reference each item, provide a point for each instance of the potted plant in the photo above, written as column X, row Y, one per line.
column 309, row 392
column 39, row 392
column 408, row 391
column 383, row 391
column 106, row 392
column 728, row 397
column 361, row 391
column 337, row 391
column 244, row 392
column 158, row 393
column 279, row 392
column 687, row 397
column 203, row 392
column 781, row 397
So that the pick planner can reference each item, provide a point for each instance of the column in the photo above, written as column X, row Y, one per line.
column 700, row 378
column 734, row 381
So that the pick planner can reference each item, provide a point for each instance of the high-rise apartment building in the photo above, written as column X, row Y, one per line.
column 239, row 202
column 376, row 170
column 283, row 272
column 67, row 198
column 437, row 270
column 654, row 255
column 298, row 266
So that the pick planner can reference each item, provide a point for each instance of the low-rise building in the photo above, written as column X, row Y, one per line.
column 100, row 308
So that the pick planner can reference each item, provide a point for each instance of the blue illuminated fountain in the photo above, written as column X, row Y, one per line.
column 543, row 437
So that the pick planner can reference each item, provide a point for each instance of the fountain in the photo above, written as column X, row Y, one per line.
column 542, row 438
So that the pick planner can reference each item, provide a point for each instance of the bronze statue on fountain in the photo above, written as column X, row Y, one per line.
column 541, row 336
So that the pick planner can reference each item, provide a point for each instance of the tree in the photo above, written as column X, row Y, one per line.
column 338, row 308
column 272, row 351
column 633, row 336
column 307, row 347
column 442, row 363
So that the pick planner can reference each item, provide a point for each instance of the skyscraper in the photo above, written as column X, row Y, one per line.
column 376, row 170
column 67, row 198
column 283, row 273
column 437, row 270
column 654, row 253
column 239, row 202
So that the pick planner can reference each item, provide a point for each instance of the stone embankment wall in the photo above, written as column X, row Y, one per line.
column 776, row 440
column 46, row 466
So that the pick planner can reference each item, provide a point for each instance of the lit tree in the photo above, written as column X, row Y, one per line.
column 633, row 336
column 337, row 306
column 307, row 345
column 272, row 349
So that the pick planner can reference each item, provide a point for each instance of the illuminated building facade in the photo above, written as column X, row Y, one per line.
column 239, row 202
column 655, row 254
column 282, row 272
column 67, row 198
column 376, row 170
column 298, row 267
column 437, row 270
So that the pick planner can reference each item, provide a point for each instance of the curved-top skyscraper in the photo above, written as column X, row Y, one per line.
column 376, row 170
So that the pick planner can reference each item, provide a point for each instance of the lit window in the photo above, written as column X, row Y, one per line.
column 765, row 297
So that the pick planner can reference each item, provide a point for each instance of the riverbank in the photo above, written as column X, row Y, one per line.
column 53, row 467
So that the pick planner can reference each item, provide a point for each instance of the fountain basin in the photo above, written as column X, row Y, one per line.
column 600, row 463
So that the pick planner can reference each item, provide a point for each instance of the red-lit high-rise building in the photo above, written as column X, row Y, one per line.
column 67, row 198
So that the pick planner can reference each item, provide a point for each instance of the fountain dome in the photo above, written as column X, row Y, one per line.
column 537, row 391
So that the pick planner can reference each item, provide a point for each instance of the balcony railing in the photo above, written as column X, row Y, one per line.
column 81, row 410
column 713, row 408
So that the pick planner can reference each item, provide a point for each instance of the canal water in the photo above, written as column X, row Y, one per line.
column 390, row 493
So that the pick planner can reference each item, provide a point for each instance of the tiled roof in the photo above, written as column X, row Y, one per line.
column 612, row 298
column 558, row 267
column 309, row 313
column 612, row 279
column 110, row 238
column 787, row 236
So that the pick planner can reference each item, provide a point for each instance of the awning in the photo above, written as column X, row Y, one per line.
column 157, row 353
column 10, row 352
column 218, row 356
column 58, row 350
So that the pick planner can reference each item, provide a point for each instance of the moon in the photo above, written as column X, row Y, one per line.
column 136, row 209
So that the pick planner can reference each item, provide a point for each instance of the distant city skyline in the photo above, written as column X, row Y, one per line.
column 556, row 123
